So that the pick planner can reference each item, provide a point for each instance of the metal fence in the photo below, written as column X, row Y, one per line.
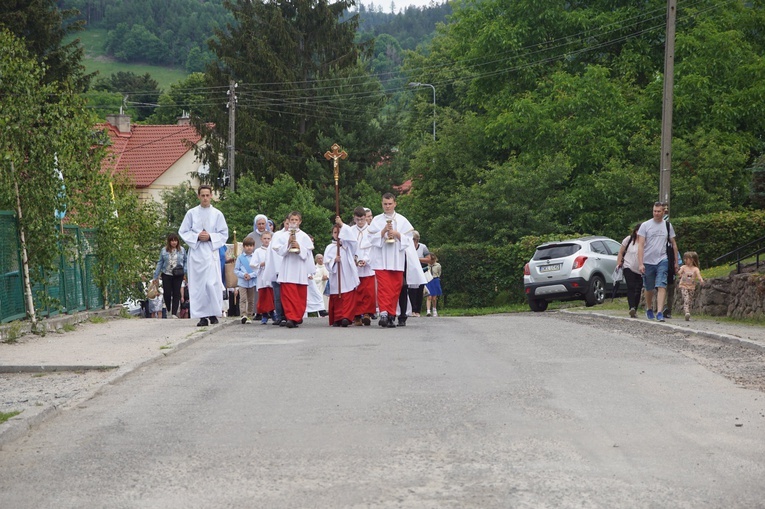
column 69, row 289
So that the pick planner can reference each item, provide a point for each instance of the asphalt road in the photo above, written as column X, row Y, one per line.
column 525, row 410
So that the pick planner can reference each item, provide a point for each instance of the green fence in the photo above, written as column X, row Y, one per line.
column 69, row 289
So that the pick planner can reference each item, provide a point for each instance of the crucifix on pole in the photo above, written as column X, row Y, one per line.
column 336, row 154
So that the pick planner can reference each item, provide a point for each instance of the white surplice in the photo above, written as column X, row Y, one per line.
column 362, row 251
column 349, row 276
column 393, row 255
column 203, row 261
column 295, row 266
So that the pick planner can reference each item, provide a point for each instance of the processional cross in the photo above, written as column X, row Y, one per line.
column 336, row 154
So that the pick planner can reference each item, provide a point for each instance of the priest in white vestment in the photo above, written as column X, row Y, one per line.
column 204, row 230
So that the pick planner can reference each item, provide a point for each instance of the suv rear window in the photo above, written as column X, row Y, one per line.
column 555, row 251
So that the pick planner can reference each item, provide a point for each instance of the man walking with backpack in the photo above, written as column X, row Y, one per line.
column 655, row 236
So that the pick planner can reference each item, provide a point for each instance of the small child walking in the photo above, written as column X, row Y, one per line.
column 688, row 275
column 434, row 286
column 265, row 302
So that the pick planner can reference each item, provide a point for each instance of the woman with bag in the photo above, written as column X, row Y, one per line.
column 627, row 261
column 172, row 266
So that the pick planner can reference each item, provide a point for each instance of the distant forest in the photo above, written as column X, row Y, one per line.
column 175, row 32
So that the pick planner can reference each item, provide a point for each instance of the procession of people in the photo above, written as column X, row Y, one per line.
column 369, row 270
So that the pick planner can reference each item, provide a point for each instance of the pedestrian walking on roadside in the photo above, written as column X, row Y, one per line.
column 628, row 261
column 171, row 266
column 689, row 274
column 654, row 237
column 434, row 286
column 246, row 280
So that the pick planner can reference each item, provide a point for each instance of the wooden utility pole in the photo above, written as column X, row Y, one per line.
column 666, row 109
column 231, row 133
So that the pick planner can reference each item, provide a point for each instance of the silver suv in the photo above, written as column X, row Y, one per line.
column 572, row 270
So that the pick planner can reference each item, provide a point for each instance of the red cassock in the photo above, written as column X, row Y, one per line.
column 365, row 296
column 344, row 307
column 294, row 301
column 388, row 289
column 265, row 300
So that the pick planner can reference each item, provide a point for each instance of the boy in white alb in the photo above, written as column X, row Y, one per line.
column 339, row 257
column 265, row 302
column 366, row 300
column 392, row 252
column 295, row 250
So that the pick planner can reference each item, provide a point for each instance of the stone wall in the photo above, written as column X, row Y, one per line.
column 736, row 296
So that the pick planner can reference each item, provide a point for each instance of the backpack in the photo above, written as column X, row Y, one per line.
column 671, row 258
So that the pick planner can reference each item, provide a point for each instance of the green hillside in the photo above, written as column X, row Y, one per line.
column 95, row 59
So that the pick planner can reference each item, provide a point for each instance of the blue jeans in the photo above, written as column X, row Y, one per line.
column 278, row 310
column 655, row 275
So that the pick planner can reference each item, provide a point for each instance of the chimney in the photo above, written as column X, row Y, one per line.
column 121, row 122
column 184, row 119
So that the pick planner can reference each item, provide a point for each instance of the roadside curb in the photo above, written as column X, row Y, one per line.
column 718, row 336
column 18, row 426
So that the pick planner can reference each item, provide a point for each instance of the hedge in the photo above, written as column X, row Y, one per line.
column 478, row 275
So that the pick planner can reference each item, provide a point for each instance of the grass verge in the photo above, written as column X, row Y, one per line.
column 4, row 416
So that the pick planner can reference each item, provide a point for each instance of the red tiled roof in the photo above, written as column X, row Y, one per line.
column 147, row 151
column 404, row 188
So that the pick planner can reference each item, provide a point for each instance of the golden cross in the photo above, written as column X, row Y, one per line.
column 335, row 155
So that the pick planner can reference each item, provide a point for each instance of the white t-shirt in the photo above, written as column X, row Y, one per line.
column 630, row 255
column 655, row 234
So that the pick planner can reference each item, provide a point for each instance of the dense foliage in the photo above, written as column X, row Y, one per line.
column 164, row 32
column 41, row 26
column 549, row 116
column 50, row 159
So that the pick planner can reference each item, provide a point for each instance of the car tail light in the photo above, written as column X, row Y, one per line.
column 526, row 270
column 579, row 262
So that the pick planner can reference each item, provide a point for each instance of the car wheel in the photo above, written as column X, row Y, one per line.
column 537, row 305
column 596, row 293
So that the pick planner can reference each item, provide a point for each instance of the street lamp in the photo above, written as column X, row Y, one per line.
column 418, row 84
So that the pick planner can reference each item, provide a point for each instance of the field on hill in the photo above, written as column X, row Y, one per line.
column 95, row 59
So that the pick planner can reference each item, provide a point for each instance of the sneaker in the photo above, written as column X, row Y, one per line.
column 366, row 320
column 633, row 312
column 357, row 321
column 428, row 313
column 174, row 317
column 383, row 321
column 402, row 323
column 667, row 314
column 435, row 313
column 213, row 320
column 649, row 314
column 202, row 322
column 264, row 320
column 290, row 324
column 245, row 320
column 687, row 317
column 345, row 322
column 660, row 317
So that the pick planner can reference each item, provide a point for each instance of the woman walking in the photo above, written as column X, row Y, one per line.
column 627, row 260
column 172, row 267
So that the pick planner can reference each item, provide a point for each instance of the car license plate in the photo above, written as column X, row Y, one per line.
column 549, row 268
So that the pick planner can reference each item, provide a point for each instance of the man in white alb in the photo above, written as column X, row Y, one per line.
column 204, row 230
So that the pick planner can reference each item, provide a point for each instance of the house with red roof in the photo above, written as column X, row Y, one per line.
column 156, row 157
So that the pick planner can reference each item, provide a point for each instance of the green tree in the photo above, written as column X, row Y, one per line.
column 43, row 27
column 46, row 130
column 142, row 92
column 189, row 96
column 301, row 76
column 275, row 200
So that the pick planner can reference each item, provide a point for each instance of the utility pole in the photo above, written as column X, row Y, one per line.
column 666, row 109
column 231, row 133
